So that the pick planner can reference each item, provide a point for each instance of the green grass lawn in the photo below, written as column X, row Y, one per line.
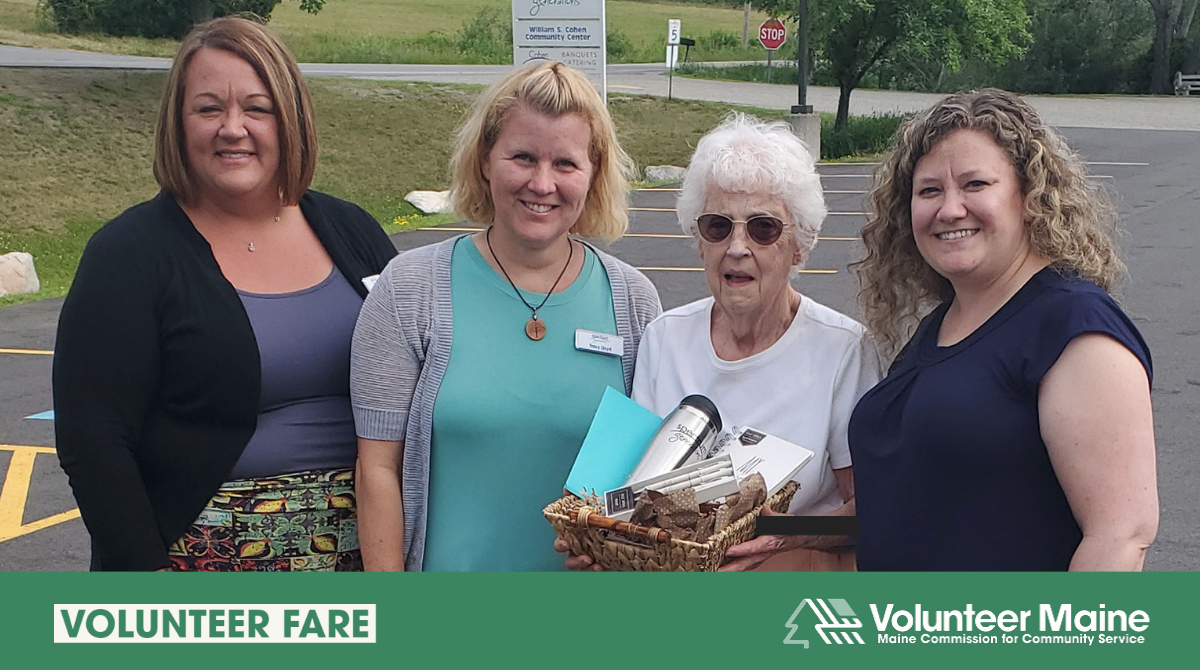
column 79, row 146
column 407, row 31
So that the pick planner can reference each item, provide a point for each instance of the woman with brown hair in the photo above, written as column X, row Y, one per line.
column 201, row 372
column 1014, row 430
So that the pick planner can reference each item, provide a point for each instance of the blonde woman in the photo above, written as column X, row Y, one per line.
column 1014, row 430
column 470, row 395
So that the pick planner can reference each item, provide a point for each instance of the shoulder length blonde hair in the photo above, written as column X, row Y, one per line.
column 1072, row 220
column 552, row 89
column 277, row 69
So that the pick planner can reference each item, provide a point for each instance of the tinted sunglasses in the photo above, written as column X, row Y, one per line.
column 764, row 230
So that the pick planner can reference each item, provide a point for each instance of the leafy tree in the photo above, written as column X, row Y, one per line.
column 1173, row 47
column 153, row 18
column 203, row 10
column 1079, row 46
column 1172, row 19
column 853, row 36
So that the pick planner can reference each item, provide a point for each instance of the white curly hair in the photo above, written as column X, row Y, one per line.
column 746, row 155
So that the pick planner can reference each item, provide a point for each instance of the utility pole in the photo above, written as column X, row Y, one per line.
column 805, row 123
column 802, row 106
column 745, row 26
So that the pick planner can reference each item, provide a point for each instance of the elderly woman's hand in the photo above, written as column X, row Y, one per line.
column 580, row 562
column 751, row 553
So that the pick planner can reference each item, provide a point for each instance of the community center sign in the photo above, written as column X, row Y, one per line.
column 571, row 31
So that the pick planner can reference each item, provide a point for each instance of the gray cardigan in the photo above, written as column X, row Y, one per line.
column 402, row 347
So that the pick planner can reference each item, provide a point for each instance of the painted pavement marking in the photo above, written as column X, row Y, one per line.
column 654, row 189
column 14, row 492
column 27, row 352
column 659, row 268
column 672, row 209
column 664, row 236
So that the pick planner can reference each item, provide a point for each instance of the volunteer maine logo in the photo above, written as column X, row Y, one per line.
column 836, row 625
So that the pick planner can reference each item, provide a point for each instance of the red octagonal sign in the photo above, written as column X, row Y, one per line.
column 772, row 34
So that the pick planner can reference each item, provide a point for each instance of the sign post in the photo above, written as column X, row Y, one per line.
column 673, row 32
column 802, row 106
column 573, row 33
column 805, row 123
column 771, row 34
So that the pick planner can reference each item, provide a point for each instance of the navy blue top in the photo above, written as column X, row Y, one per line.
column 950, row 469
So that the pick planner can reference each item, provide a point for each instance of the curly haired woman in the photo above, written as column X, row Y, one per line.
column 1014, row 430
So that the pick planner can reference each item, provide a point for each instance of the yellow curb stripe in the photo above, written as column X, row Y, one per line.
column 29, row 352
column 657, row 268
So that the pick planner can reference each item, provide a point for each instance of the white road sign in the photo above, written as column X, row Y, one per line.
column 571, row 31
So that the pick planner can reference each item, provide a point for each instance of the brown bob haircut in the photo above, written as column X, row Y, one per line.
column 277, row 69
column 552, row 89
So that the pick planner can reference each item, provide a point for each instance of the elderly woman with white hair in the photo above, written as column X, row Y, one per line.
column 766, row 355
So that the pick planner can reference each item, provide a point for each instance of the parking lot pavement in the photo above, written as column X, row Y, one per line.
column 1153, row 173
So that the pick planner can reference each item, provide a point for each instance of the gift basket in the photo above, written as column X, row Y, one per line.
column 671, row 500
column 629, row 546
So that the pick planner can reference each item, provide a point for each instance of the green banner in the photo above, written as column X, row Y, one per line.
column 569, row 620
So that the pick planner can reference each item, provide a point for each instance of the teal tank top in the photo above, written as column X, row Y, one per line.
column 510, row 415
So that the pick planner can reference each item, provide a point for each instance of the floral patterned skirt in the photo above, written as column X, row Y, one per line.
column 298, row 522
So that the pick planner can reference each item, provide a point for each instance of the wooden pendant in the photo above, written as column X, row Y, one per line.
column 535, row 328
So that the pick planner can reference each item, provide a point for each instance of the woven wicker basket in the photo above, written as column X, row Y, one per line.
column 617, row 551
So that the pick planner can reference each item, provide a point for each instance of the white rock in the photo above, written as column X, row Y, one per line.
column 430, row 202
column 664, row 173
column 17, row 274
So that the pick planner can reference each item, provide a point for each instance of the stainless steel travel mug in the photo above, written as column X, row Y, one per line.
column 693, row 425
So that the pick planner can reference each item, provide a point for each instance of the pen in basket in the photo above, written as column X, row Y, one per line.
column 723, row 470
column 587, row 516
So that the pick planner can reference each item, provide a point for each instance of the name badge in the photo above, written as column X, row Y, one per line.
column 601, row 343
column 369, row 282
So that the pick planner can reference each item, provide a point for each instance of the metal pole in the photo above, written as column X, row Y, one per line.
column 802, row 106
column 671, row 76
column 769, row 52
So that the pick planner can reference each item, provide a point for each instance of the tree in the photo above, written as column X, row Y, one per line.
column 154, row 18
column 1172, row 20
column 852, row 36
column 1080, row 46
column 203, row 10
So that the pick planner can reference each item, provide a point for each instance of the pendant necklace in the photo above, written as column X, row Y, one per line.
column 250, row 245
column 535, row 328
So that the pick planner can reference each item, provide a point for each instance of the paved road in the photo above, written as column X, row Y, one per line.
column 1149, row 113
column 1159, row 196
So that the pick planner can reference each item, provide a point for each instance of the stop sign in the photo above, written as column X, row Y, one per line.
column 772, row 34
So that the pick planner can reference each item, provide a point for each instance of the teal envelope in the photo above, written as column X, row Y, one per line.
column 615, row 443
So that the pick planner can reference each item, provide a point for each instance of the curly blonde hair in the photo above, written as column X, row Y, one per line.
column 1072, row 221
column 552, row 89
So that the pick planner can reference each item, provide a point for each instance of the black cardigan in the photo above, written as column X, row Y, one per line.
column 156, row 371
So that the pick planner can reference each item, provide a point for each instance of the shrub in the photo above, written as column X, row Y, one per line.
column 619, row 45
column 862, row 136
column 488, row 36
column 145, row 18
column 718, row 39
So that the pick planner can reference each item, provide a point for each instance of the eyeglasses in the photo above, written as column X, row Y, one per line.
column 764, row 230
